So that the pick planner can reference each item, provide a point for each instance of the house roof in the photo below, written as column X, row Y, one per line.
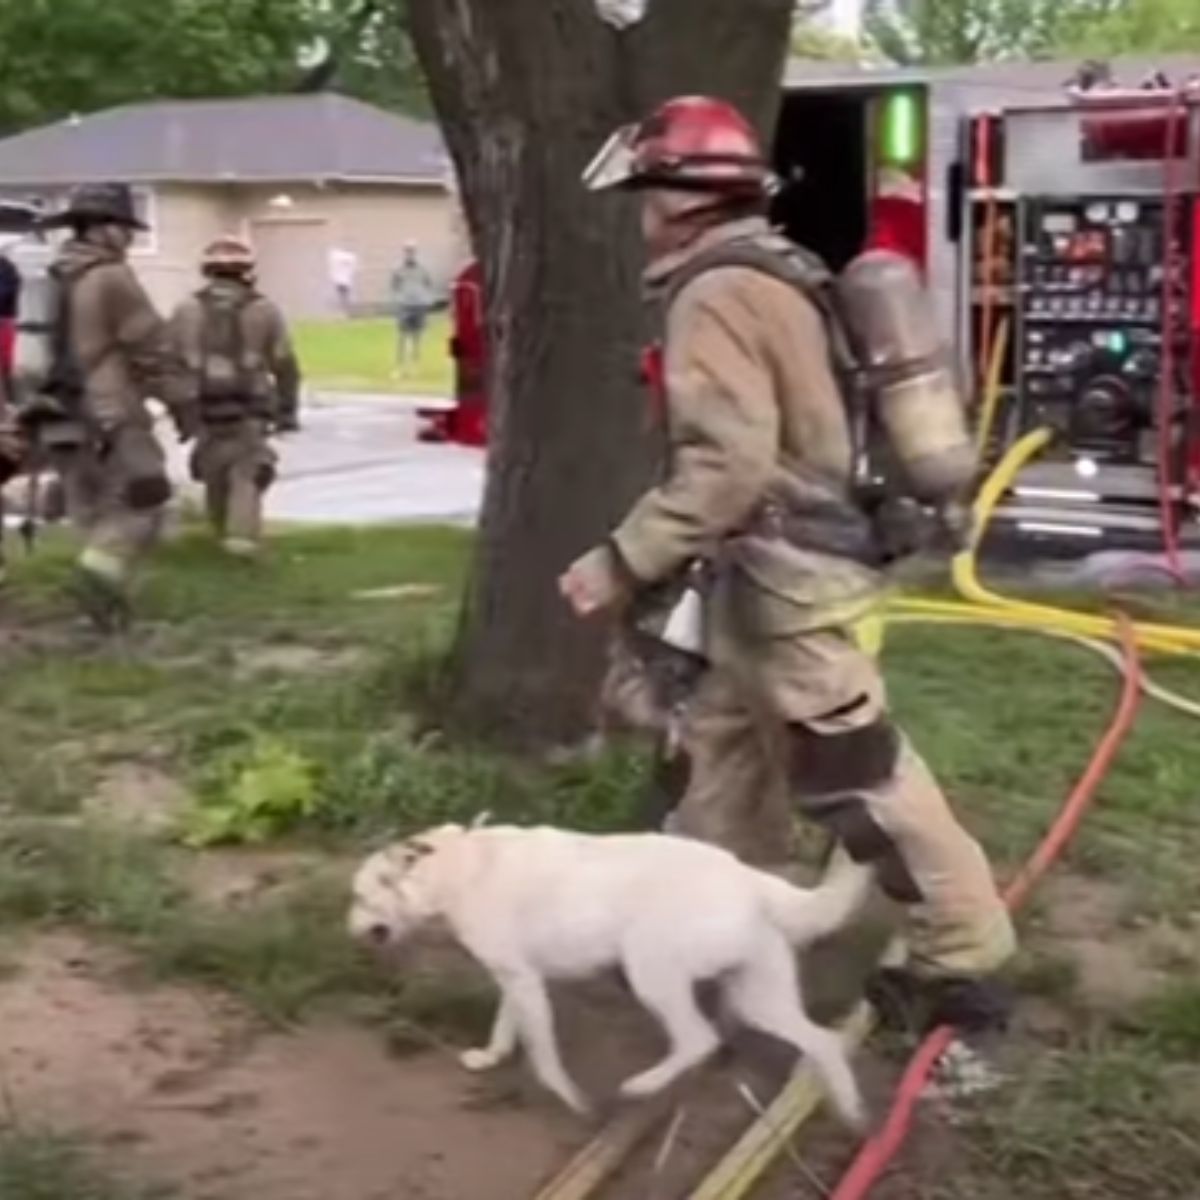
column 264, row 139
column 1047, row 77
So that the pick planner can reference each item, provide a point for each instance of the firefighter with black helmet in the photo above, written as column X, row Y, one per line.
column 235, row 342
column 759, row 518
column 106, row 355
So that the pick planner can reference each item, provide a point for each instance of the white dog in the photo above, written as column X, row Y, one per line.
column 539, row 904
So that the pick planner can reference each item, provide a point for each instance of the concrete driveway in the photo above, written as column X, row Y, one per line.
column 357, row 461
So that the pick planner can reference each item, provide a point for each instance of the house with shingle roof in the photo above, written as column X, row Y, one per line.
column 301, row 177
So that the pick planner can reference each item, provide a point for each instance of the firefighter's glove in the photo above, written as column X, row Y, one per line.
column 287, row 423
column 596, row 583
column 187, row 422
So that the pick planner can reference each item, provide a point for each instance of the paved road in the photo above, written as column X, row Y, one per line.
column 357, row 461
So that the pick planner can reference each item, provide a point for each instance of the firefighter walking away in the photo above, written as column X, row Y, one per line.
column 762, row 511
column 236, row 345
column 102, row 353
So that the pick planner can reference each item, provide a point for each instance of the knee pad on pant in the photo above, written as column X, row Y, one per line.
column 147, row 491
column 833, row 776
column 264, row 476
column 846, row 760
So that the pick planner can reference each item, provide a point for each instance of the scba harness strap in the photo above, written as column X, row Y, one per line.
column 226, row 385
column 862, row 516
column 833, row 517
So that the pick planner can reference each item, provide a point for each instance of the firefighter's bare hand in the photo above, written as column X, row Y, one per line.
column 594, row 584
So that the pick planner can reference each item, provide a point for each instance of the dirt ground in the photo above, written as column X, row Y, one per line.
column 177, row 1085
column 181, row 1085
column 184, row 1087
column 173, row 1082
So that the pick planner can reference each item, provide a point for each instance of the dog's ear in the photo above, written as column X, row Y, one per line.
column 480, row 821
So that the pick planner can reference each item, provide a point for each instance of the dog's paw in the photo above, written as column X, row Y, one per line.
column 478, row 1061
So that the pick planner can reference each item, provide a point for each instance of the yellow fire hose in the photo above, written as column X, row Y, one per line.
column 746, row 1162
column 741, row 1168
column 983, row 603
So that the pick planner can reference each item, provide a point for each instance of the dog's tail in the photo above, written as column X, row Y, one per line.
column 807, row 915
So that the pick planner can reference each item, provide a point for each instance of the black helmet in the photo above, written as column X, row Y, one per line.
column 97, row 204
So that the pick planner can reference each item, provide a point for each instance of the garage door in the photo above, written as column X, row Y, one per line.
column 292, row 265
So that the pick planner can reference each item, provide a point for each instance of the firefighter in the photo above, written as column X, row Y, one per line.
column 790, row 713
column 236, row 344
column 12, row 457
column 107, row 354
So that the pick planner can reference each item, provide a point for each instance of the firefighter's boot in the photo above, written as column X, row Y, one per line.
column 102, row 600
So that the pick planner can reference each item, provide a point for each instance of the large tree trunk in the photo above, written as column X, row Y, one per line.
column 526, row 91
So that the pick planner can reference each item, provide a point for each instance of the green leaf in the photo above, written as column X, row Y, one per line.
column 252, row 795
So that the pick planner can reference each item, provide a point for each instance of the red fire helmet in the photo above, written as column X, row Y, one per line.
column 691, row 143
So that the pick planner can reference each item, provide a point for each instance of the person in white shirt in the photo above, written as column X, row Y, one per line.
column 343, row 270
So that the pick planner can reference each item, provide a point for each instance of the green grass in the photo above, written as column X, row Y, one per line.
column 188, row 682
column 280, row 955
column 360, row 356
column 185, row 696
column 40, row 1165
column 1171, row 1020
column 1108, row 1119
column 1008, row 721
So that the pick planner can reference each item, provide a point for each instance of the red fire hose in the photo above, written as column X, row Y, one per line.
column 880, row 1150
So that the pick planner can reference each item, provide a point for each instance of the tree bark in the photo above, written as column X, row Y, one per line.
column 526, row 91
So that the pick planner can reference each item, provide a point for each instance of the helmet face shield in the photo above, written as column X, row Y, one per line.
column 616, row 163
column 689, row 144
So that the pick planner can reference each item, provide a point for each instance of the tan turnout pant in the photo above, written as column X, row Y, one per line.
column 799, row 724
column 236, row 464
column 115, row 487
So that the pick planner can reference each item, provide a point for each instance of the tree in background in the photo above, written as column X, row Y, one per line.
column 945, row 32
column 362, row 48
column 815, row 44
column 59, row 57
column 814, row 40
column 1137, row 27
column 526, row 91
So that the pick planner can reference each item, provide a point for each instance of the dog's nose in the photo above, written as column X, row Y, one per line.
column 378, row 934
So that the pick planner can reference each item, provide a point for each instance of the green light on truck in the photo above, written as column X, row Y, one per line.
column 901, row 128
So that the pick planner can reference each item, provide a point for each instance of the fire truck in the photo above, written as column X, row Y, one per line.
column 1058, row 228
